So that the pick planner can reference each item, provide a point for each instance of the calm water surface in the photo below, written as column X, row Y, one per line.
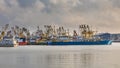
column 61, row 56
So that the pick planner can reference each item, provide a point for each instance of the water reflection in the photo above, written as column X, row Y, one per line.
column 70, row 60
column 83, row 58
column 89, row 59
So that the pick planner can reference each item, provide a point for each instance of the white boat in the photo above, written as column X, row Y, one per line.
column 8, row 42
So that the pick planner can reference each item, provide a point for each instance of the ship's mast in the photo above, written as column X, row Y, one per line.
column 3, row 31
column 86, row 32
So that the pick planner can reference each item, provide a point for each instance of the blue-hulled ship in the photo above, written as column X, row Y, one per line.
column 81, row 42
column 86, row 37
column 103, row 42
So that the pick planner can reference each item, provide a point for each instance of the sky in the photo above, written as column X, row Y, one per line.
column 103, row 15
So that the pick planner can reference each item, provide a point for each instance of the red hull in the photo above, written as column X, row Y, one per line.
column 22, row 43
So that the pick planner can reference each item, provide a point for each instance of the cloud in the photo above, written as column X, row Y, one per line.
column 3, row 19
column 11, row 3
column 103, row 14
column 116, row 3
column 26, row 3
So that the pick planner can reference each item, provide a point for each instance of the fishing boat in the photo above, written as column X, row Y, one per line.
column 6, row 41
column 22, row 41
column 21, row 35
column 87, row 37
column 37, row 38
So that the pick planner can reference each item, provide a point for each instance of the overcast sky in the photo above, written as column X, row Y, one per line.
column 101, row 14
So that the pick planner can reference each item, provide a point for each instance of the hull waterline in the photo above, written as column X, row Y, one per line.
column 107, row 42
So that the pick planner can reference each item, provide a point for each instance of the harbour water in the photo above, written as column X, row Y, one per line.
column 106, row 56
